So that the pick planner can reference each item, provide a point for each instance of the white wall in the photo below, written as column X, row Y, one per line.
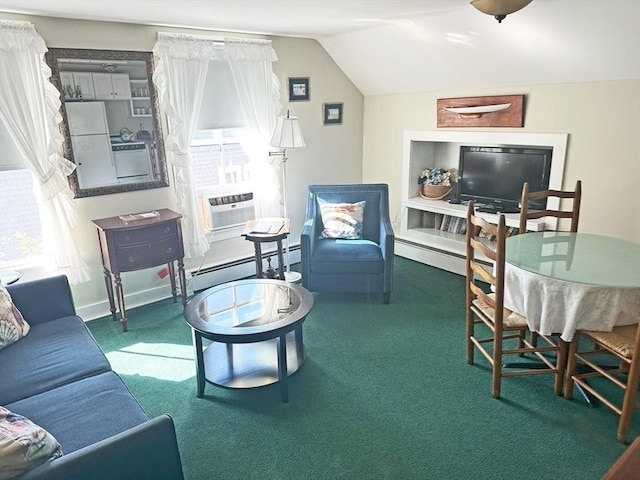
column 601, row 118
column 333, row 153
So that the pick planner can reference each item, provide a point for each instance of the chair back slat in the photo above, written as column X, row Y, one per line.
column 573, row 213
column 493, row 250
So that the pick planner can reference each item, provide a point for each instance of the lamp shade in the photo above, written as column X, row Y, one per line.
column 287, row 133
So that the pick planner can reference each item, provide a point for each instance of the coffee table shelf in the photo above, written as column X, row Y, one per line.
column 255, row 330
column 250, row 365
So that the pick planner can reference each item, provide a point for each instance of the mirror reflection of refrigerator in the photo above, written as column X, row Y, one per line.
column 91, row 144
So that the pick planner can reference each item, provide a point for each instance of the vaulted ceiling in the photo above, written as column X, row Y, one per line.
column 396, row 46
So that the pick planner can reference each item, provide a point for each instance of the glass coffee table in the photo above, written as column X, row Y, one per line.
column 255, row 328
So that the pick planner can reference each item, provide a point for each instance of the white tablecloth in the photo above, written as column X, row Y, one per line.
column 556, row 306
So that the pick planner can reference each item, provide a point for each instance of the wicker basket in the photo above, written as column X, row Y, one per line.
column 435, row 192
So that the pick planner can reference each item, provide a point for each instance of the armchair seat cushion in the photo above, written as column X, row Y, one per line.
column 347, row 256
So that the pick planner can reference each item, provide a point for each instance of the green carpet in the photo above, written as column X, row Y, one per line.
column 385, row 393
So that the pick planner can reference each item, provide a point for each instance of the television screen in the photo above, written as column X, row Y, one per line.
column 494, row 175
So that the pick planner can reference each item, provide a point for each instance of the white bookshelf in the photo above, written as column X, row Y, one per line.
column 418, row 238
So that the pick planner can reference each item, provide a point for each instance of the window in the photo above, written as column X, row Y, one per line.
column 21, row 241
column 219, row 161
column 222, row 173
column 221, row 168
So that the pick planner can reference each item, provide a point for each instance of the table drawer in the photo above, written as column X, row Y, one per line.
column 144, row 235
column 148, row 255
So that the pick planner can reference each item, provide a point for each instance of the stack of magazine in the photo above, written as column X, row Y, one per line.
column 268, row 225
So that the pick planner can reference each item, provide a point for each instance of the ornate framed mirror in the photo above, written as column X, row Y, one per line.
column 111, row 122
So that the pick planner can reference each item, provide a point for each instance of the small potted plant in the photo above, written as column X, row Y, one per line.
column 437, row 183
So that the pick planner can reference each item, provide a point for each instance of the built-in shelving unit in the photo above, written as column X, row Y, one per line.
column 419, row 238
column 140, row 100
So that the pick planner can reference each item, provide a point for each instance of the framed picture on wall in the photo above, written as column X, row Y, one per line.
column 298, row 88
column 332, row 113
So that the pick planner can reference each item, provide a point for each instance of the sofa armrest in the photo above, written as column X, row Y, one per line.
column 148, row 451
column 42, row 300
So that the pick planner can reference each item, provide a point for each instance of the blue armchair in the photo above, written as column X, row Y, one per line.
column 349, row 265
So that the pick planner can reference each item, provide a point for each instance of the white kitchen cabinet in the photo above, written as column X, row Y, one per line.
column 112, row 86
column 77, row 86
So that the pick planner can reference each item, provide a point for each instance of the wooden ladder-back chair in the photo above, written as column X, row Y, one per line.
column 505, row 327
column 622, row 345
column 573, row 214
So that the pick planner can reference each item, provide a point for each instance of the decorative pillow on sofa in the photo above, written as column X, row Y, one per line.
column 23, row 444
column 341, row 220
column 12, row 326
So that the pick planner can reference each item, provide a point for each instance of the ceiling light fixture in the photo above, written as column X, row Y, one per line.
column 109, row 67
column 499, row 8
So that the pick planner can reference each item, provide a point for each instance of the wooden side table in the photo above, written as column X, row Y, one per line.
column 139, row 244
column 260, row 238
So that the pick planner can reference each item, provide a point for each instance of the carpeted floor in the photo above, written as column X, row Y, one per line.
column 385, row 393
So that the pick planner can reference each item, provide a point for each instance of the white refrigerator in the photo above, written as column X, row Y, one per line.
column 91, row 144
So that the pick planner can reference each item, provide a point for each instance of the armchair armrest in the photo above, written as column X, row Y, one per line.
column 387, row 238
column 308, row 239
column 148, row 451
column 42, row 300
column 387, row 244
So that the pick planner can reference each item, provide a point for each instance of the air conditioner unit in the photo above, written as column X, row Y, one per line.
column 228, row 211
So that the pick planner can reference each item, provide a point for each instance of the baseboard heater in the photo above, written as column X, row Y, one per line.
column 429, row 248
column 234, row 270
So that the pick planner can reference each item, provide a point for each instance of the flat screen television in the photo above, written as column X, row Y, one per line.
column 493, row 176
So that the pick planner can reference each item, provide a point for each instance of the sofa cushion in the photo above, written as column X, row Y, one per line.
column 52, row 354
column 84, row 412
column 12, row 326
column 341, row 220
column 347, row 256
column 23, row 444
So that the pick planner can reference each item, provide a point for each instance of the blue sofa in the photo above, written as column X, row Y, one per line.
column 57, row 377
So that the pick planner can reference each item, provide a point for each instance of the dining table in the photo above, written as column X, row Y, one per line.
column 563, row 282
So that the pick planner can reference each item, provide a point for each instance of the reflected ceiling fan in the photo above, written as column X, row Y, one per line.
column 499, row 8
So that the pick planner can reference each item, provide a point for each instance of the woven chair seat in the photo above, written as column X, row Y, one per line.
column 510, row 319
column 622, row 346
column 621, row 339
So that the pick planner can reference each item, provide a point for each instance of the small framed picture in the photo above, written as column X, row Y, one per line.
column 332, row 113
column 298, row 89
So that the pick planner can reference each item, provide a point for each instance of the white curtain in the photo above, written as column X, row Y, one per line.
column 30, row 113
column 180, row 78
column 259, row 93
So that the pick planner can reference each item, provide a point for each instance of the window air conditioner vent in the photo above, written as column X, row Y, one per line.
column 230, row 211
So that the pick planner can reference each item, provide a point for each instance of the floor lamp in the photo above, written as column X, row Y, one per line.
column 287, row 134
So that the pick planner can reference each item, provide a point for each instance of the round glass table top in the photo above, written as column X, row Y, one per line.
column 577, row 257
column 248, row 307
